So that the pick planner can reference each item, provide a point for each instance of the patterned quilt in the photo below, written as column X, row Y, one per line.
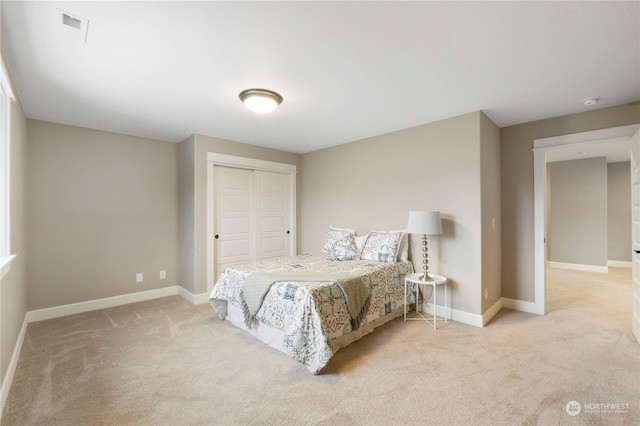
column 310, row 314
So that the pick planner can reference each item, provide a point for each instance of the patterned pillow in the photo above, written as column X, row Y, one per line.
column 382, row 246
column 334, row 235
column 344, row 249
column 403, row 250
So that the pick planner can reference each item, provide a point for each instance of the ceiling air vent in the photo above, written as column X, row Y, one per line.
column 71, row 21
column 71, row 26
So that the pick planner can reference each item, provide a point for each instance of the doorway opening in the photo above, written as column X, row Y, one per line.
column 545, row 150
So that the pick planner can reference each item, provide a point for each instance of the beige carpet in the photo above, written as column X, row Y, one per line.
column 167, row 362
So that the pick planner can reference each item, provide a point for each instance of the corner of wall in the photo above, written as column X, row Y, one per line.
column 186, row 213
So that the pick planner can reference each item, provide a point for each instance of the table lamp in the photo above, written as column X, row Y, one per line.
column 425, row 223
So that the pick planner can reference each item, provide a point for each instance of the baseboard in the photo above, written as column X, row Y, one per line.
column 520, row 305
column 480, row 320
column 579, row 267
column 454, row 314
column 491, row 312
column 196, row 299
column 107, row 302
column 11, row 369
column 618, row 264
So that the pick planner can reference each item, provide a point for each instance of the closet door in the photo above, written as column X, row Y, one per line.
column 250, row 211
column 233, row 217
column 272, row 196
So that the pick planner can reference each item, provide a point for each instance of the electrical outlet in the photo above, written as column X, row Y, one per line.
column 139, row 277
column 486, row 293
column 163, row 274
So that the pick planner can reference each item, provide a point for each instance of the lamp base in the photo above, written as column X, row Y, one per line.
column 425, row 258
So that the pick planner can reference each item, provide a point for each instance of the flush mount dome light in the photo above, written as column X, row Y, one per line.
column 260, row 101
column 590, row 101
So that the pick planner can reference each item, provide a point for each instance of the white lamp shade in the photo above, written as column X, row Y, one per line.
column 427, row 223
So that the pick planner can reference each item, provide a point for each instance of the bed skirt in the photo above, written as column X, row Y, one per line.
column 275, row 338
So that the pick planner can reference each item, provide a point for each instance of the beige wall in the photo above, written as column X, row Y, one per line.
column 193, row 206
column 577, row 220
column 516, row 162
column 619, row 211
column 375, row 182
column 490, row 199
column 102, row 207
column 13, row 289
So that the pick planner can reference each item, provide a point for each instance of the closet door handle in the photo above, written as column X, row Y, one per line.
column 288, row 232
column 217, row 236
column 637, row 251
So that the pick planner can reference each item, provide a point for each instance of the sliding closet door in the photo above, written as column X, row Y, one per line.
column 233, row 217
column 252, row 216
column 272, row 195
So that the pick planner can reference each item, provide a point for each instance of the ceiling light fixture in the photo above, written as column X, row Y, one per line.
column 260, row 101
column 590, row 101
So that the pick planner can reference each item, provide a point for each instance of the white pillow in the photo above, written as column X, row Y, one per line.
column 382, row 246
column 352, row 231
column 403, row 251
column 360, row 241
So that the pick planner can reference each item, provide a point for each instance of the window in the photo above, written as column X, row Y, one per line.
column 6, row 96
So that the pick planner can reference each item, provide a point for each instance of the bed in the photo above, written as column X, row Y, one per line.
column 310, row 306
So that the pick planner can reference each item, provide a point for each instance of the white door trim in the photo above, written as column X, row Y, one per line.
column 635, row 232
column 249, row 163
column 215, row 159
column 540, row 149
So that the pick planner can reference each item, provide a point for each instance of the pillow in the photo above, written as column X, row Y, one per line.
column 353, row 231
column 403, row 251
column 334, row 235
column 344, row 249
column 382, row 246
column 360, row 241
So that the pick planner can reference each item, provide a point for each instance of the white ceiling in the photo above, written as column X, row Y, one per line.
column 346, row 70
